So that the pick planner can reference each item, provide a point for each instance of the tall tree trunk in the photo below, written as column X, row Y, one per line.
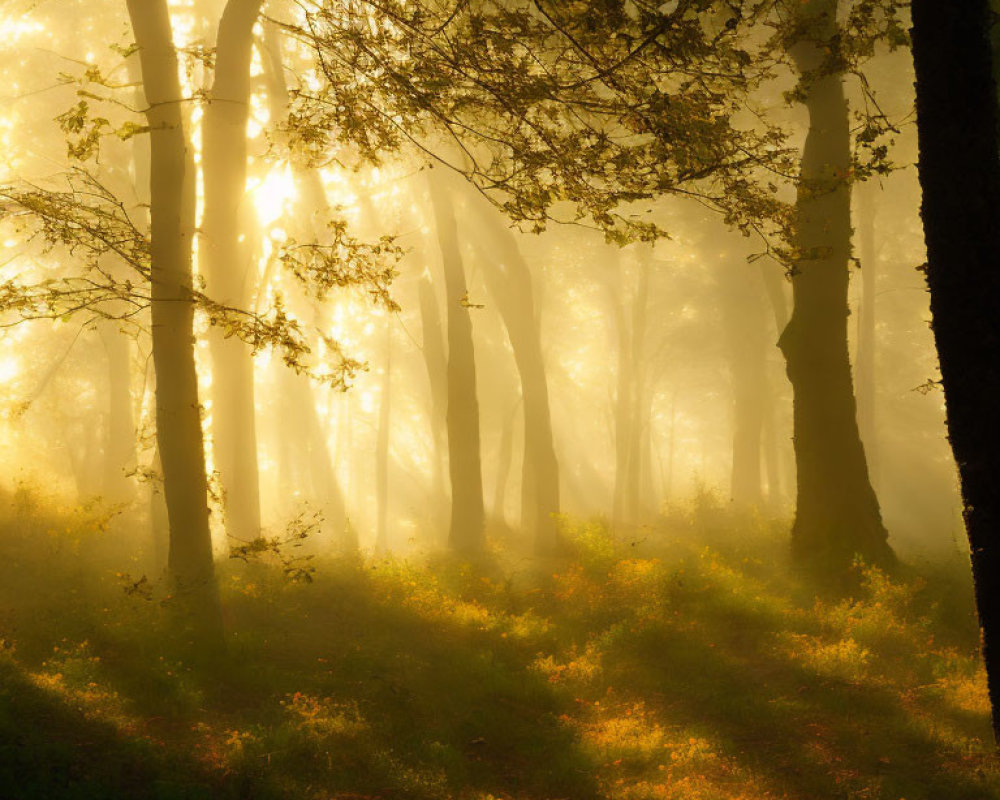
column 865, row 367
column 957, row 118
column 509, row 281
column 226, row 264
column 464, row 462
column 837, row 513
column 178, row 413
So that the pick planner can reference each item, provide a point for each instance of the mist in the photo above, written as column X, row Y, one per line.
column 483, row 400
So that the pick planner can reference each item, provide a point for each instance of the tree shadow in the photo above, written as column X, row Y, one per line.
column 809, row 735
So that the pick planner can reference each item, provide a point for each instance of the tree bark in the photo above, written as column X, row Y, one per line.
column 508, row 279
column 837, row 514
column 229, row 272
column 465, row 532
column 959, row 168
column 178, row 413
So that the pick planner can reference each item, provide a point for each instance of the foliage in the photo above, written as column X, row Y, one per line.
column 662, row 670
column 555, row 111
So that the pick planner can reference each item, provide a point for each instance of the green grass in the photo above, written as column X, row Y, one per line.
column 648, row 667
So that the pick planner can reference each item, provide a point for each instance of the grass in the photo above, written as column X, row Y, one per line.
column 652, row 667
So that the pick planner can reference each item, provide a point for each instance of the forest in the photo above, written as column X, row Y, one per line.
column 500, row 399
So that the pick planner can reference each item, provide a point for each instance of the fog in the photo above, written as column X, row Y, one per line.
column 489, row 331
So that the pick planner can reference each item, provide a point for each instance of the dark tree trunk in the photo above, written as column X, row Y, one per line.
column 228, row 268
column 465, row 533
column 959, row 168
column 509, row 281
column 178, row 413
column 837, row 513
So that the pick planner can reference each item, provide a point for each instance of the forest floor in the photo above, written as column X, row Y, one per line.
column 687, row 662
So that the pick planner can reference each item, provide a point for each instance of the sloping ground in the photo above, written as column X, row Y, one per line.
column 646, row 668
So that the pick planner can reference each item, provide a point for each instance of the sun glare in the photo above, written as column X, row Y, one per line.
column 272, row 195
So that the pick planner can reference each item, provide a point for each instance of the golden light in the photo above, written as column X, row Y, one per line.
column 273, row 195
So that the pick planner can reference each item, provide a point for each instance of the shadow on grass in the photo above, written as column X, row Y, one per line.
column 48, row 749
column 808, row 735
column 371, row 682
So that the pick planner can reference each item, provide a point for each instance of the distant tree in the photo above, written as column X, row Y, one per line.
column 465, row 532
column 226, row 262
column 959, row 165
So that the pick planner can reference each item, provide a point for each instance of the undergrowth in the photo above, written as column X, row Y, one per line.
column 650, row 666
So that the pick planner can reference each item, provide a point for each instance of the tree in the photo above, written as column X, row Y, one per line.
column 959, row 166
column 178, row 413
column 509, row 281
column 226, row 263
column 837, row 514
column 465, row 532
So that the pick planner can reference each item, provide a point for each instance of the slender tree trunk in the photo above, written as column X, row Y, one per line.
column 464, row 462
column 837, row 513
column 509, row 281
column 226, row 264
column 178, row 413
column 957, row 118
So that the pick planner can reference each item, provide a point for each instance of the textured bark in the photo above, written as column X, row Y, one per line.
column 837, row 514
column 228, row 269
column 959, row 167
column 465, row 533
column 508, row 279
column 178, row 414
